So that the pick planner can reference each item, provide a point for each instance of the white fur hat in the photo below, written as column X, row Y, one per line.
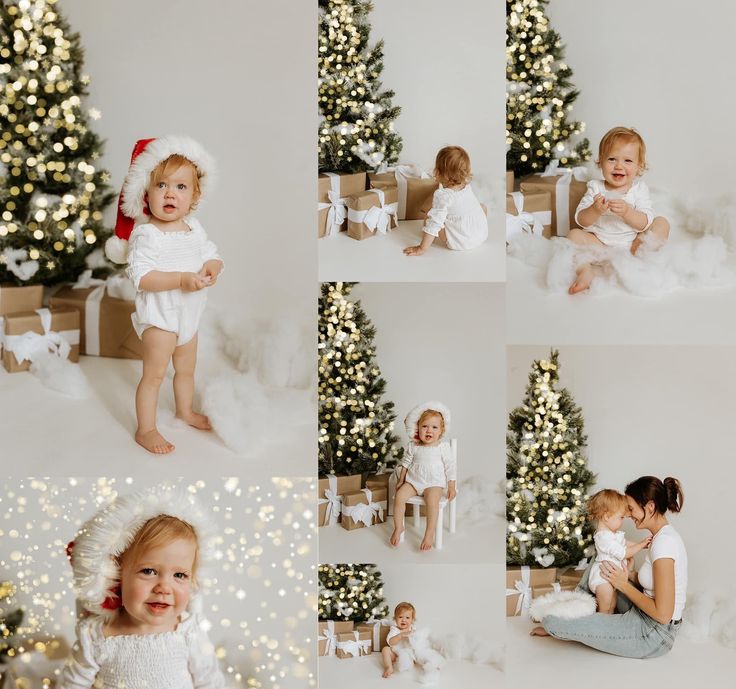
column 108, row 534
column 412, row 418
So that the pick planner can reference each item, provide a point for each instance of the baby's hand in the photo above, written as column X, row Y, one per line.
column 211, row 270
column 192, row 282
column 451, row 493
column 646, row 542
column 619, row 207
column 600, row 203
column 414, row 250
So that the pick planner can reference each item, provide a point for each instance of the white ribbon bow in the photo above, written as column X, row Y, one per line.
column 525, row 222
column 582, row 564
column 331, row 638
column 337, row 214
column 376, row 217
column 562, row 191
column 355, row 647
column 333, row 502
column 30, row 345
column 524, row 590
column 365, row 513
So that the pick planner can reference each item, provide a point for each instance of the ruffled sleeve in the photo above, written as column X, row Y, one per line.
column 448, row 459
column 209, row 250
column 408, row 459
column 82, row 668
column 643, row 202
column 607, row 543
column 143, row 253
column 203, row 666
column 438, row 213
column 588, row 198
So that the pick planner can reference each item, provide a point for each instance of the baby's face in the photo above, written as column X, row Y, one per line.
column 156, row 585
column 430, row 429
column 621, row 166
column 614, row 521
column 171, row 198
column 404, row 620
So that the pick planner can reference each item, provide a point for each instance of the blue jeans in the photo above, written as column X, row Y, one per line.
column 632, row 633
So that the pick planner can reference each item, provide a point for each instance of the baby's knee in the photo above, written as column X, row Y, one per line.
column 153, row 378
column 661, row 227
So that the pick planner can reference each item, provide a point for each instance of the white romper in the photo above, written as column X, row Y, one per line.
column 610, row 546
column 182, row 659
column 610, row 228
column 429, row 465
column 460, row 213
column 151, row 249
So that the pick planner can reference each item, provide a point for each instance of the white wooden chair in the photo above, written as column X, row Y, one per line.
column 418, row 501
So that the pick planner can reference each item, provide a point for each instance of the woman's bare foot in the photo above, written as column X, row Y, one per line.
column 388, row 672
column 539, row 631
column 154, row 442
column 427, row 542
column 396, row 538
column 197, row 420
column 582, row 280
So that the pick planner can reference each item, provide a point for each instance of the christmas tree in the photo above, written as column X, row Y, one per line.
column 355, row 426
column 351, row 592
column 547, row 478
column 9, row 621
column 355, row 115
column 539, row 93
column 52, row 190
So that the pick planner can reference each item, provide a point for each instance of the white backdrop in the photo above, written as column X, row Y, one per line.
column 237, row 75
column 662, row 411
column 658, row 66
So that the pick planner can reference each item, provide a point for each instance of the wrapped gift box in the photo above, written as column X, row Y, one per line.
column 414, row 188
column 571, row 575
column 333, row 188
column 534, row 209
column 521, row 581
column 15, row 299
column 378, row 481
column 364, row 508
column 106, row 328
column 566, row 193
column 330, row 491
column 509, row 181
column 379, row 632
column 41, row 330
column 354, row 644
column 538, row 591
column 372, row 212
column 327, row 632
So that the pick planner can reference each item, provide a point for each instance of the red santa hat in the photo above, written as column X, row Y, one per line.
column 147, row 155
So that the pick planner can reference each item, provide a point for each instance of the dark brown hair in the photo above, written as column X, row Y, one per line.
column 666, row 495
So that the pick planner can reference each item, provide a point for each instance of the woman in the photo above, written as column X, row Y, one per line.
column 651, row 600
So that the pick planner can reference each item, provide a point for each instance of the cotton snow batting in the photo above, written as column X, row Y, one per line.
column 566, row 604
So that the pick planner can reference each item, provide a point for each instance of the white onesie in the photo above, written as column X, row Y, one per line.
column 395, row 631
column 151, row 249
column 610, row 228
column 429, row 465
column 182, row 659
column 610, row 546
column 460, row 213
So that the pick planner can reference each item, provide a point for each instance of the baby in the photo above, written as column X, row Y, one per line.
column 427, row 469
column 171, row 263
column 139, row 595
column 398, row 636
column 617, row 211
column 456, row 216
column 608, row 508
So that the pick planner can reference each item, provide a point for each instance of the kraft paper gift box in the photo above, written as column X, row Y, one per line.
column 327, row 632
column 364, row 508
column 519, row 585
column 532, row 213
column 572, row 575
column 330, row 491
column 509, row 181
column 354, row 644
column 14, row 299
column 372, row 212
column 333, row 189
column 55, row 330
column 414, row 185
column 566, row 193
column 538, row 591
column 379, row 632
column 106, row 328
column 376, row 481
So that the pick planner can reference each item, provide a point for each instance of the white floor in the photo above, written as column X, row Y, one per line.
column 46, row 433
column 380, row 259
column 533, row 316
column 476, row 544
column 687, row 665
column 365, row 672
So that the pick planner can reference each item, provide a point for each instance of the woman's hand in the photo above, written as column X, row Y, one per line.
column 617, row 577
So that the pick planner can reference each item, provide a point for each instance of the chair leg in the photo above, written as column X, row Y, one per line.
column 416, row 509
column 453, row 515
column 438, row 529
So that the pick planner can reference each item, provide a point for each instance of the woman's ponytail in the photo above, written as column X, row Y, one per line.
column 675, row 497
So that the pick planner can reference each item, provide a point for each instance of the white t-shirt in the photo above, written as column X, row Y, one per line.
column 667, row 543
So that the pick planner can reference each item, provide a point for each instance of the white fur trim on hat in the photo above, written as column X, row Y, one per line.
column 567, row 604
column 109, row 533
column 139, row 173
column 412, row 418
column 116, row 249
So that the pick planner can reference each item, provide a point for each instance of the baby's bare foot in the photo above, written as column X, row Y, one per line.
column 427, row 543
column 539, row 631
column 582, row 281
column 197, row 420
column 388, row 672
column 396, row 539
column 635, row 245
column 154, row 442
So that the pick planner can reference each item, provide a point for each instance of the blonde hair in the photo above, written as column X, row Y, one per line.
column 159, row 531
column 405, row 606
column 626, row 134
column 170, row 165
column 606, row 501
column 452, row 165
column 431, row 412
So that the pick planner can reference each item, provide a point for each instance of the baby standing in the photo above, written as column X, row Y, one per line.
column 138, row 574
column 456, row 216
column 171, row 262
column 427, row 469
